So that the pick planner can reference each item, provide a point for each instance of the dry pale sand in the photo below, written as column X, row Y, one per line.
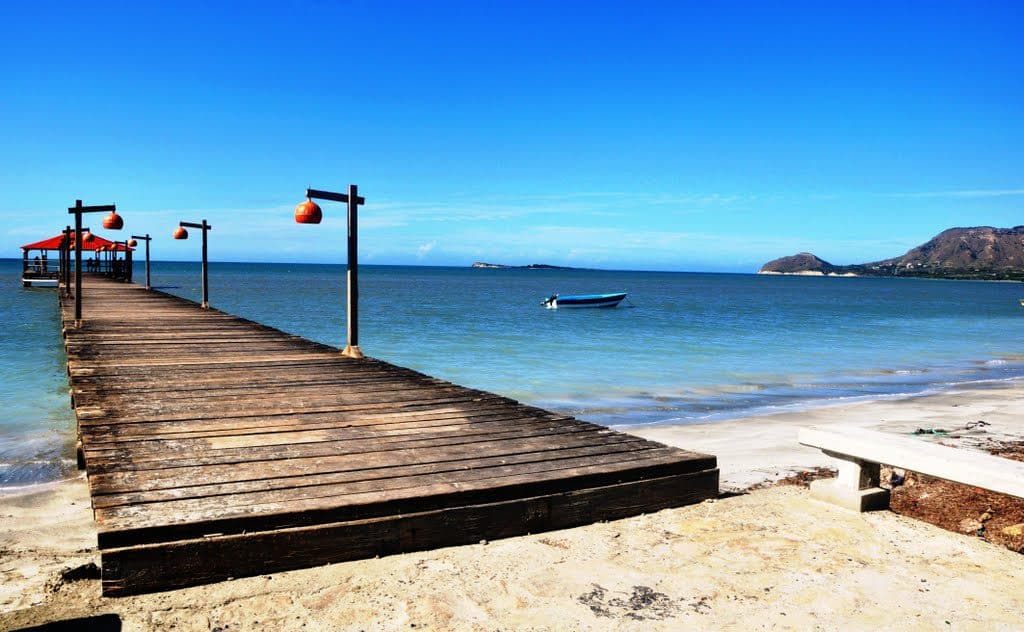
column 767, row 559
column 764, row 448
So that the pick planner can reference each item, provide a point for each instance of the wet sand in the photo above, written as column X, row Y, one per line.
column 765, row 448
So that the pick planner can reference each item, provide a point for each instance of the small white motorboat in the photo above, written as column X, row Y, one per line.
column 583, row 300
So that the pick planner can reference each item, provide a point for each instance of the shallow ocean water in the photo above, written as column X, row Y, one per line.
column 685, row 347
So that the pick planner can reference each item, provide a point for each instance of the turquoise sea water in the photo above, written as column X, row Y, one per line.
column 685, row 347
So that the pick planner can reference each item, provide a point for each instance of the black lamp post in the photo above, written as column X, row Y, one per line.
column 146, row 239
column 112, row 221
column 309, row 212
column 87, row 237
column 181, row 233
column 65, row 260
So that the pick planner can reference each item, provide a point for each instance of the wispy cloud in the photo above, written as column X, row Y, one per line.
column 596, row 246
column 460, row 209
column 968, row 193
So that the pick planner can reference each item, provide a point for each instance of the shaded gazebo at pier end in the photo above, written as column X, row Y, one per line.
column 41, row 269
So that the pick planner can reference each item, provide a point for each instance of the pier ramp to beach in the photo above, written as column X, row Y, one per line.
column 217, row 447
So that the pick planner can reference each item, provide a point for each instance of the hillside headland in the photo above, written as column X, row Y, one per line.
column 980, row 253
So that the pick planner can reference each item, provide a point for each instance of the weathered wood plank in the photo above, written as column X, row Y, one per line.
column 622, row 445
column 109, row 437
column 360, row 499
column 185, row 563
column 88, row 416
column 145, row 479
column 196, row 422
column 126, row 460
column 410, row 417
column 348, row 438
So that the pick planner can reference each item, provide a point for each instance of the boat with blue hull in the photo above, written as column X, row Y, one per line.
column 583, row 300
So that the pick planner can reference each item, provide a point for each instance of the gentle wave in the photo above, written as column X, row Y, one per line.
column 721, row 404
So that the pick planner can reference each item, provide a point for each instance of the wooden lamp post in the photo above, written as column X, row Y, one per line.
column 309, row 212
column 146, row 239
column 112, row 221
column 181, row 233
column 87, row 238
column 65, row 260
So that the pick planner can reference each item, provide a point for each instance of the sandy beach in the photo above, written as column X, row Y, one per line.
column 764, row 559
column 763, row 448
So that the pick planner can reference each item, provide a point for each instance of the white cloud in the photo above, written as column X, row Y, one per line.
column 424, row 249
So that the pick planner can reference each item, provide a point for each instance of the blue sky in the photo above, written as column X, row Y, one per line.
column 671, row 136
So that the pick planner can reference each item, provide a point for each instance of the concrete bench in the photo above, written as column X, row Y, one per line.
column 860, row 453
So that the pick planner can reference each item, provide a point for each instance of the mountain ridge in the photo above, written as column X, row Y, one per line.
column 978, row 252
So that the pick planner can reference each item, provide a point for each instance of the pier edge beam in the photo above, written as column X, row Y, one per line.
column 856, row 488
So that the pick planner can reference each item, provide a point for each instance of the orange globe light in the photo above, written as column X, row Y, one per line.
column 100, row 248
column 113, row 221
column 88, row 237
column 132, row 243
column 308, row 212
column 180, row 233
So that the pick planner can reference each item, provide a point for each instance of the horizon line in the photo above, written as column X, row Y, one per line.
column 422, row 265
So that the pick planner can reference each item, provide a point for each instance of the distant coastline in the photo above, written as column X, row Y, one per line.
column 980, row 253
column 532, row 266
column 811, row 273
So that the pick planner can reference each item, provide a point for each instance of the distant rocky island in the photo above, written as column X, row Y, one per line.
column 532, row 266
column 981, row 252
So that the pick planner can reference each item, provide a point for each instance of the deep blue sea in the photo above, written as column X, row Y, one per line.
column 684, row 348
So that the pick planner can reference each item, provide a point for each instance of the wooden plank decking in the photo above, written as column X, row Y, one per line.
column 217, row 447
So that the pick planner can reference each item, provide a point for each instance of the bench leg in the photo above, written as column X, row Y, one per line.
column 855, row 488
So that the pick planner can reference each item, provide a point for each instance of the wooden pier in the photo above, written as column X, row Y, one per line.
column 217, row 447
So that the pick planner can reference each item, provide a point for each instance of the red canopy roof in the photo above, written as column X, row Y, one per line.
column 53, row 243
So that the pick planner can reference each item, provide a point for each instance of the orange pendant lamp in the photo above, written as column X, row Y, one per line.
column 88, row 238
column 132, row 243
column 308, row 212
column 113, row 221
column 180, row 233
